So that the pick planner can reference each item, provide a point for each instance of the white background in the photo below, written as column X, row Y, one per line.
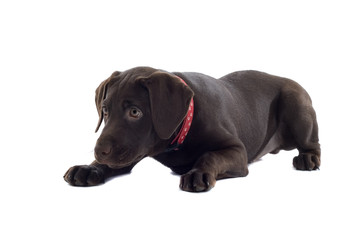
column 53, row 54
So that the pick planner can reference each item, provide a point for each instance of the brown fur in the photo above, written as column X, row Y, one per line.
column 238, row 119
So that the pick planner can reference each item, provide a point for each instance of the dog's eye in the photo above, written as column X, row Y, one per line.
column 105, row 111
column 135, row 113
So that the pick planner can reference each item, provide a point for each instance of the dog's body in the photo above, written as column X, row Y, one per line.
column 237, row 119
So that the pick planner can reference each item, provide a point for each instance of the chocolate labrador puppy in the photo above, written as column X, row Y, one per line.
column 200, row 127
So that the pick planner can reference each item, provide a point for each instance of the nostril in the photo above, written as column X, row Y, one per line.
column 102, row 150
column 105, row 153
column 105, row 150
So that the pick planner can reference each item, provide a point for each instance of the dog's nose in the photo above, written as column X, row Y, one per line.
column 102, row 151
column 105, row 150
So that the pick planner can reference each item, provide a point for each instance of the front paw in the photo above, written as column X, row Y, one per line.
column 84, row 175
column 197, row 181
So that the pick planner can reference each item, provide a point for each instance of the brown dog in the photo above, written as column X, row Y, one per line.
column 234, row 120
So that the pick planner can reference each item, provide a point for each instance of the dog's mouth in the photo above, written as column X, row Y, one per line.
column 118, row 166
column 123, row 158
column 123, row 155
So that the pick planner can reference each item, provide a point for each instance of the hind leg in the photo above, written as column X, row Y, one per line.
column 305, row 133
column 300, row 118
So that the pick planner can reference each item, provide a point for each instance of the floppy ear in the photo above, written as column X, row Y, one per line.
column 169, row 102
column 100, row 95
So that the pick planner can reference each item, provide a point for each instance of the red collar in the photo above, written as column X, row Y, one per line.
column 180, row 138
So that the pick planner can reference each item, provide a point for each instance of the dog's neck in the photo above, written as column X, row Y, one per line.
column 180, row 137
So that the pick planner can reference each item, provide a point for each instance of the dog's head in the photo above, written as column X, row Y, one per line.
column 141, row 109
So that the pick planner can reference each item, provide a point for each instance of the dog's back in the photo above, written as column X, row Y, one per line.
column 225, row 101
